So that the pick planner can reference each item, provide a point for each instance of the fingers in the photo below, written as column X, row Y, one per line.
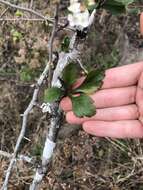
column 114, row 97
column 139, row 97
column 108, row 98
column 114, row 78
column 123, row 76
column 115, row 129
column 129, row 112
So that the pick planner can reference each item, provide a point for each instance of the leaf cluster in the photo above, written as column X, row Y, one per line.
column 82, row 104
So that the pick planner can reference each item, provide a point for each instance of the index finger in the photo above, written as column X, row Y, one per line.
column 122, row 76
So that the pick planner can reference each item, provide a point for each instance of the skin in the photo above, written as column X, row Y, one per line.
column 119, row 105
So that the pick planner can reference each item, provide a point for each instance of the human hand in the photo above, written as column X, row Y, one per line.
column 119, row 105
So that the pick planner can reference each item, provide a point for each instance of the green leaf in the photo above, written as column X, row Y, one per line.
column 16, row 35
column 133, row 11
column 125, row 2
column 65, row 44
column 70, row 74
column 83, row 106
column 53, row 94
column 92, row 82
column 115, row 6
column 25, row 75
column 18, row 13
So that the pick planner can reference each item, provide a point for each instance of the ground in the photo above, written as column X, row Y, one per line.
column 81, row 161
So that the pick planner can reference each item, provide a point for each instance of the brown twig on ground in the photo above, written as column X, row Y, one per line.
column 4, row 12
column 31, row 11
column 22, row 19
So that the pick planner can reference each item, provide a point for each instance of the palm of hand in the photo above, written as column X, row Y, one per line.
column 119, row 105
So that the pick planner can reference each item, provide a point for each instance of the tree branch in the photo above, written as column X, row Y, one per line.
column 56, row 114
column 31, row 11
column 54, row 31
column 24, row 125
column 22, row 19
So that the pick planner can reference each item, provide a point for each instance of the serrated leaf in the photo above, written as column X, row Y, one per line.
column 52, row 94
column 92, row 82
column 70, row 74
column 83, row 106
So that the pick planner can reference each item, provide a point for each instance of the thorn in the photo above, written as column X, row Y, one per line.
column 27, row 139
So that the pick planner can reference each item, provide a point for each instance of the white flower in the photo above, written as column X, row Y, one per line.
column 45, row 107
column 79, row 19
column 73, row 1
column 79, row 15
column 74, row 7
column 91, row 2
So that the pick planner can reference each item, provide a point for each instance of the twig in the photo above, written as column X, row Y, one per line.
column 82, row 66
column 19, row 157
column 22, row 19
column 5, row 154
column 31, row 11
column 24, row 125
column 54, row 31
column 31, row 4
column 4, row 12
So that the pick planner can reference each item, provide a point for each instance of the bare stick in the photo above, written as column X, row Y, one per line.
column 19, row 157
column 24, row 125
column 27, row 10
column 22, row 19
column 4, row 12
column 31, row 11
column 25, row 118
column 31, row 4
column 54, row 31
